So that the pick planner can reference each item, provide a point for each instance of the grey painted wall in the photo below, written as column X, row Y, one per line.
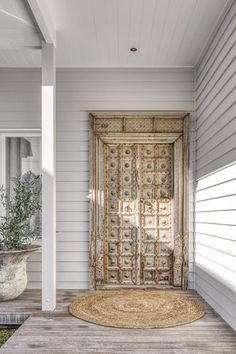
column 215, row 246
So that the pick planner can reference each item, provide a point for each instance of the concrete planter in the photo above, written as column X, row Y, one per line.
column 13, row 276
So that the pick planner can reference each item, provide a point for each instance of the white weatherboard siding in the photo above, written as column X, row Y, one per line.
column 215, row 244
column 78, row 93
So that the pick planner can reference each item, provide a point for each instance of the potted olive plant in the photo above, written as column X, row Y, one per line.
column 18, row 232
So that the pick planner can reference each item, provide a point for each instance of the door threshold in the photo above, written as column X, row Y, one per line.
column 138, row 287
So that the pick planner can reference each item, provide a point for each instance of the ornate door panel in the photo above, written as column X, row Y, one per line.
column 138, row 232
column 120, row 214
column 138, row 203
column 156, row 230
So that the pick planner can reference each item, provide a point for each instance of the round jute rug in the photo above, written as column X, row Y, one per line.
column 137, row 308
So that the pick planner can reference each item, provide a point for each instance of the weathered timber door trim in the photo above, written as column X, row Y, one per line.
column 116, row 128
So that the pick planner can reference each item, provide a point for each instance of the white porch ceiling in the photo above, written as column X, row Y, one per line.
column 20, row 39
column 99, row 33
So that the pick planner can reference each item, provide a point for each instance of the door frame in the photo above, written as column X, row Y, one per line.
column 158, row 128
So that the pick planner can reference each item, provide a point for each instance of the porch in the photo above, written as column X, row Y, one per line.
column 49, row 87
column 59, row 332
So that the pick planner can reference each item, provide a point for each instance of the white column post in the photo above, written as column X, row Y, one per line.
column 48, row 121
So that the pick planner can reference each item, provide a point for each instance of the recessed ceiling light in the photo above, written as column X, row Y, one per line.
column 133, row 49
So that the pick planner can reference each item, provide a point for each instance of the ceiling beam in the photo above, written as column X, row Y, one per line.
column 44, row 22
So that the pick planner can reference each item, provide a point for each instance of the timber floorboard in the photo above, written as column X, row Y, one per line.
column 60, row 333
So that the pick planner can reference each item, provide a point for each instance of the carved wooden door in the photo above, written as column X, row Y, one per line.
column 138, row 220
column 138, row 200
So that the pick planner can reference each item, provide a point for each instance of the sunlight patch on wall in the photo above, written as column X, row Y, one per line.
column 215, row 225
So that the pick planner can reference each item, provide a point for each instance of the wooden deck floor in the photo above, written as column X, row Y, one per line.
column 60, row 333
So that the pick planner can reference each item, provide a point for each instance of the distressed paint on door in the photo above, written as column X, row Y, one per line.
column 137, row 214
column 137, row 190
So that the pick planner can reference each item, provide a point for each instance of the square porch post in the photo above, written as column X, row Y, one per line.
column 48, row 124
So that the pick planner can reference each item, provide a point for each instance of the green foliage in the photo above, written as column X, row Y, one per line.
column 5, row 334
column 17, row 231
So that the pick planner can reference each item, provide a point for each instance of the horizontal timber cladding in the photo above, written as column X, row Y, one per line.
column 80, row 91
column 215, row 205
